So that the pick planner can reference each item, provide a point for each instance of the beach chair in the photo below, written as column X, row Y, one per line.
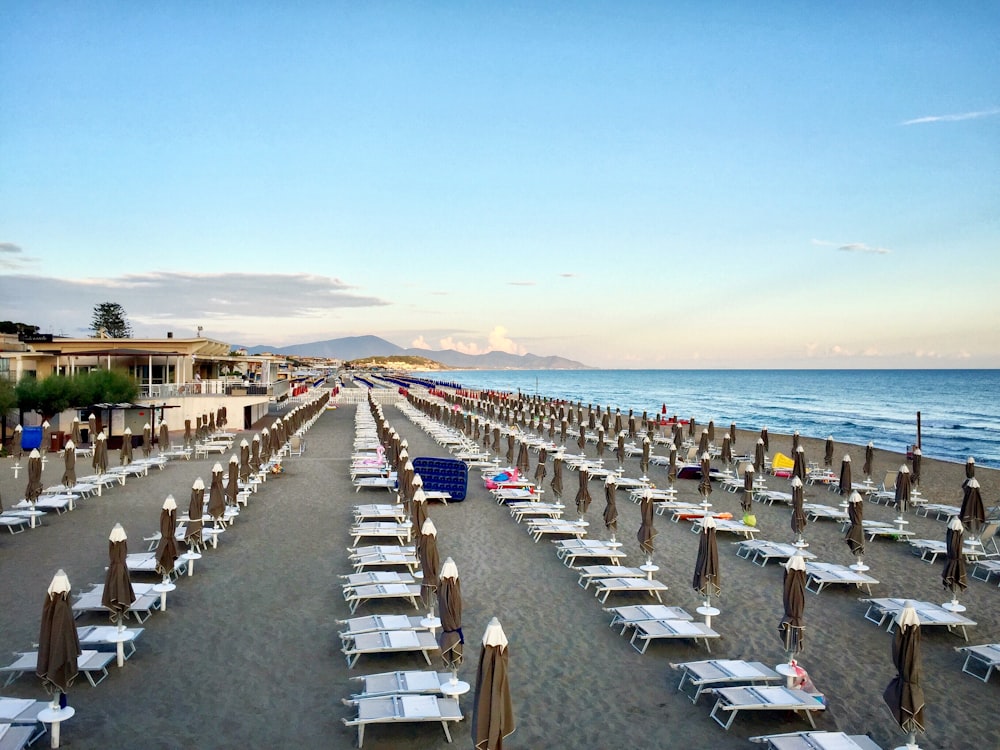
column 885, row 492
column 93, row 665
column 22, row 713
column 709, row 673
column 930, row 549
column 589, row 573
column 629, row 615
column 104, row 638
column 398, row 683
column 146, row 600
column 652, row 630
column 371, row 623
column 357, row 595
column 376, row 576
column 605, row 551
column 816, row 741
column 983, row 569
column 882, row 611
column 14, row 524
column 731, row 700
column 16, row 737
column 296, row 445
column 819, row 575
column 607, row 586
column 392, row 709
column 386, row 529
column 391, row 642
column 980, row 660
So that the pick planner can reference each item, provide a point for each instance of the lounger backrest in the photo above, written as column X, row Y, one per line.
column 988, row 538
column 692, row 456
column 889, row 483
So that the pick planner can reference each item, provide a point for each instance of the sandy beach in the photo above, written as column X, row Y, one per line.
column 248, row 655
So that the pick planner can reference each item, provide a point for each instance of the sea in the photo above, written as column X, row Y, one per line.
column 959, row 409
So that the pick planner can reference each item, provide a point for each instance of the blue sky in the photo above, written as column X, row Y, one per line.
column 625, row 184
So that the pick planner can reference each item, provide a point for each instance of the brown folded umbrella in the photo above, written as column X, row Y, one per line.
column 216, row 496
column 953, row 576
column 540, row 470
column 581, row 441
column 244, row 461
column 795, row 441
column 611, row 506
column 620, row 448
column 672, row 468
column 91, row 428
column 799, row 463
column 791, row 629
column 449, row 596
column 492, row 710
column 600, row 442
column 17, row 449
column 233, row 480
column 759, row 456
column 703, row 442
column 418, row 504
column 125, row 454
column 58, row 642
column 973, row 512
column 196, row 510
column 164, row 437
column 747, row 502
column 583, row 498
column 766, row 439
column 100, row 461
column 188, row 437
column 523, row 458
column 255, row 454
column 707, row 579
column 510, row 447
column 427, row 554
column 118, row 595
column 147, row 440
column 905, row 695
column 646, row 533
column 166, row 549
column 846, row 482
column 705, row 484
column 69, row 457
column 828, row 452
column 557, row 483
column 903, row 489
column 644, row 461
column 855, row 536
column 76, row 431
column 869, row 459
column 34, row 486
column 915, row 471
column 799, row 520
column 726, row 456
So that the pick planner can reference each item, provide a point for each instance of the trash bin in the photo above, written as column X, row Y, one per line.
column 56, row 439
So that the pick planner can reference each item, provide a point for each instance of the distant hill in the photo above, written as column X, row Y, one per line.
column 359, row 347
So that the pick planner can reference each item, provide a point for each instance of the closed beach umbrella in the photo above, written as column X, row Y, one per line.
column 792, row 627
column 726, row 455
column 244, row 461
column 855, row 536
column 707, row 579
column 606, row 420
column 828, row 452
column 758, row 456
column 747, row 501
column 600, row 442
column 869, row 459
column 764, row 437
column 34, row 486
column 510, row 447
column 233, row 480
column 905, row 695
column 610, row 506
column 147, row 440
column 255, row 453
column 631, row 425
column 672, row 468
column 557, row 483
column 492, row 710
column 540, row 470
column 164, row 437
column 644, row 461
column 703, row 442
column 100, row 460
column 58, row 642
column 216, row 496
column 418, row 506
column 125, row 455
column 915, row 471
column 91, row 428
column 799, row 463
column 711, row 431
column 902, row 494
column 427, row 553
column 76, row 431
column 953, row 576
column 732, row 436
column 552, row 428
column 196, row 510
column 798, row 514
column 17, row 448
column 69, row 457
column 646, row 533
column 581, row 441
column 970, row 469
column 46, row 436
column 678, row 434
column 166, row 549
column 591, row 417
column 449, row 596
column 523, row 458
column 118, row 595
column 692, row 426
column 846, row 484
column 620, row 448
column 583, row 493
column 705, row 484
column 563, row 428
column 618, row 421
column 973, row 512
column 188, row 437
column 795, row 441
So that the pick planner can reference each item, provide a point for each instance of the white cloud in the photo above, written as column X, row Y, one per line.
column 521, row 283
column 852, row 247
column 496, row 341
column 569, row 275
column 499, row 342
column 419, row 343
column 953, row 118
column 12, row 257
column 460, row 346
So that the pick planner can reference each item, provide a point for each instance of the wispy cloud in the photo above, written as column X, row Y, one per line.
column 521, row 283
column 953, row 118
column 497, row 340
column 853, row 247
column 12, row 257
column 569, row 275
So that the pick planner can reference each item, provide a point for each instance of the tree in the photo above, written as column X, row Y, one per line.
column 110, row 318
column 58, row 392
column 8, row 402
column 10, row 326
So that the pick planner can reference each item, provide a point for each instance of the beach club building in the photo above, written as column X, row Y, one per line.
column 179, row 379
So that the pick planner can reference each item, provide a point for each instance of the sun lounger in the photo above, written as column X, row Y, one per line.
column 104, row 638
column 359, row 594
column 59, row 503
column 354, row 580
column 983, row 569
column 727, row 525
column 393, row 709
column 629, row 615
column 22, row 714
column 819, row 512
column 371, row 623
column 760, row 551
column 93, row 665
column 819, row 574
column 520, row 511
column 816, row 741
column 607, row 586
column 539, row 527
column 375, row 483
column 652, row 630
column 732, row 700
column 377, row 512
column 146, row 600
column 13, row 523
column 398, row 531
column 930, row 549
column 589, row 573
column 145, row 562
column 391, row 641
column 604, row 551
column 16, row 737
column 980, row 660
column 873, row 529
column 941, row 511
column 709, row 673
column 398, row 683
column 79, row 489
column 882, row 611
column 385, row 560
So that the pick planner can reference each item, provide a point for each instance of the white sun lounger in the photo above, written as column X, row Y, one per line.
column 393, row 709
column 371, row 623
column 980, row 660
column 589, row 573
column 22, row 714
column 816, row 741
column 18, row 736
column 652, row 630
column 881, row 611
column 398, row 531
column 941, row 511
column 520, row 511
column 607, row 586
column 93, row 665
column 390, row 642
column 379, row 512
column 146, row 600
column 99, row 637
column 385, row 560
column 354, row 580
column 819, row 512
column 727, row 525
column 15, row 524
column 629, row 615
column 397, row 683
column 59, row 503
column 359, row 594
column 145, row 562
column 983, row 569
column 930, row 549
column 539, row 527
column 768, row 698
column 709, row 673
column 819, row 574
column 375, row 483
column 570, row 556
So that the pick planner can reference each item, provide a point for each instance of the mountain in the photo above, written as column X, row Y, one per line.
column 358, row 347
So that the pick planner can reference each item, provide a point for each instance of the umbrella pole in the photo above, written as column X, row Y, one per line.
column 911, row 743
column 707, row 610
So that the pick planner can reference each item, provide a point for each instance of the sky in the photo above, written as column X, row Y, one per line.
column 633, row 185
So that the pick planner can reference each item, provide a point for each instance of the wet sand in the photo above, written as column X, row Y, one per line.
column 247, row 654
